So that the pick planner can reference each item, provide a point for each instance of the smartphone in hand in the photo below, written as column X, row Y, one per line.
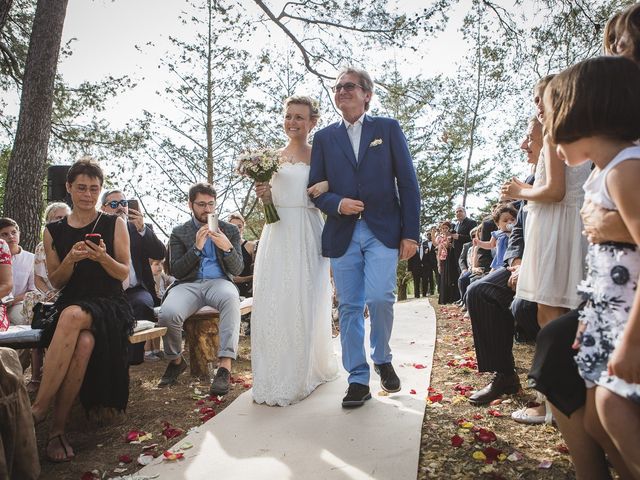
column 93, row 237
column 133, row 204
column 212, row 222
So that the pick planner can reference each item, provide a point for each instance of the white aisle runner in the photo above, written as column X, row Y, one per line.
column 317, row 438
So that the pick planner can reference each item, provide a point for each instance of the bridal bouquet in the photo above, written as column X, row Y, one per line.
column 260, row 165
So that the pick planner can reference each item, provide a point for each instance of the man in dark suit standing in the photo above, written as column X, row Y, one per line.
column 144, row 245
column 414, row 265
column 429, row 265
column 462, row 231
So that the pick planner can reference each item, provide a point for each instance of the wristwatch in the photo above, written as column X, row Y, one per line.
column 196, row 251
column 228, row 251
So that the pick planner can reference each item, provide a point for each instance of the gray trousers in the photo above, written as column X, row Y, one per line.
column 185, row 299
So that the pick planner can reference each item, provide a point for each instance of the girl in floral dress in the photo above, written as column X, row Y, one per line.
column 603, row 128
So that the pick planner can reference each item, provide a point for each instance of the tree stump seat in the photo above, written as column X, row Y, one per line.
column 202, row 335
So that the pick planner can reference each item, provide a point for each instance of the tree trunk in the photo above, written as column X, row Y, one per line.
column 209, row 98
column 25, row 177
column 201, row 336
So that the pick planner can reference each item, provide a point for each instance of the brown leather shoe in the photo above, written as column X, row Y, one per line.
column 502, row 384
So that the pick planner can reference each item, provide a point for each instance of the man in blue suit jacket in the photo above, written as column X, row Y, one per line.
column 372, row 207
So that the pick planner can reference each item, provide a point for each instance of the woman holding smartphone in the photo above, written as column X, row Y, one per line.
column 88, row 259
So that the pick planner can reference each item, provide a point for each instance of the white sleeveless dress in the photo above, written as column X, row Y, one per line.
column 291, row 351
column 610, row 289
column 553, row 263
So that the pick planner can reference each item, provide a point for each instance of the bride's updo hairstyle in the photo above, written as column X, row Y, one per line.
column 575, row 112
column 313, row 105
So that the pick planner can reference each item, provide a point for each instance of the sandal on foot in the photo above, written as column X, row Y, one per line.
column 66, row 458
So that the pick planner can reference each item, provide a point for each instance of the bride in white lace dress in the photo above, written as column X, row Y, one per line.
column 291, row 351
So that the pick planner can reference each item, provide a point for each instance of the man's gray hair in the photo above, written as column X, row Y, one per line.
column 106, row 194
column 460, row 207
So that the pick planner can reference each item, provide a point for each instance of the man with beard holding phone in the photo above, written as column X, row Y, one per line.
column 144, row 245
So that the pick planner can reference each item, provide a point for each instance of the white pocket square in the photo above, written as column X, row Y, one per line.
column 376, row 142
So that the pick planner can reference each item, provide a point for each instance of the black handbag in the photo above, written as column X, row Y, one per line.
column 43, row 315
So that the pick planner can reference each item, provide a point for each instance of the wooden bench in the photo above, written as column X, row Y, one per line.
column 201, row 334
column 32, row 338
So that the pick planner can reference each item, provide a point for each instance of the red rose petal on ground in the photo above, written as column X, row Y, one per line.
column 494, row 413
column 200, row 402
column 133, row 435
column 562, row 448
column 412, row 391
column 169, row 432
column 477, row 416
column 419, row 366
column 457, row 441
column 168, row 455
column 247, row 385
column 125, row 459
column 485, row 436
column 491, row 454
column 435, row 398
column 88, row 476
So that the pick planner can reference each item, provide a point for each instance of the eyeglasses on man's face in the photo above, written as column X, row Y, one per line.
column 348, row 87
column 205, row 204
column 114, row 203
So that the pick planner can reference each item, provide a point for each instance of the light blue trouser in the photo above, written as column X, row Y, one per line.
column 185, row 299
column 366, row 273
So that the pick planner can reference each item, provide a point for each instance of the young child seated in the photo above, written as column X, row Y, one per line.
column 505, row 217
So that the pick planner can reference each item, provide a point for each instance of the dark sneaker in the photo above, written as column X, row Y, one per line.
column 172, row 372
column 389, row 381
column 357, row 394
column 220, row 383
column 502, row 384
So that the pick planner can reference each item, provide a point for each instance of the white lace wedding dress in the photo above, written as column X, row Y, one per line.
column 291, row 351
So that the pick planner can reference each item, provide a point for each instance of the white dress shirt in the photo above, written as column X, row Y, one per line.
column 354, row 130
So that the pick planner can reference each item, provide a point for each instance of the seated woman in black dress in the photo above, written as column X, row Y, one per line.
column 88, row 341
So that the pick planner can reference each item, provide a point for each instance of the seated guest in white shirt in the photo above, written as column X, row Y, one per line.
column 22, row 265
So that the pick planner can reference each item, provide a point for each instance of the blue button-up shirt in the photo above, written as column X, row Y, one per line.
column 209, row 265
